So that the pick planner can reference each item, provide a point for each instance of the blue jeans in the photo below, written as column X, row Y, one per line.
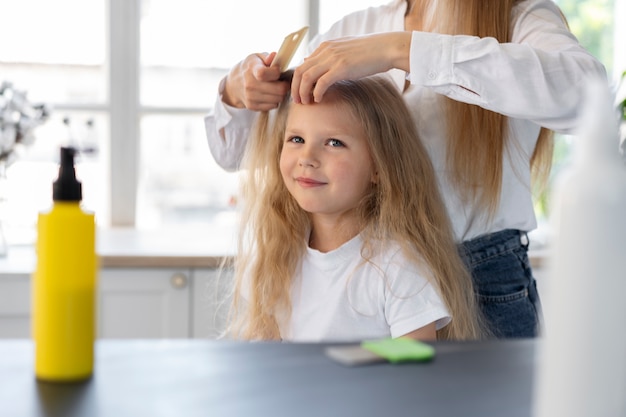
column 504, row 284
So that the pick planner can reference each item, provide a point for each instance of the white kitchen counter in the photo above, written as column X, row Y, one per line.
column 198, row 248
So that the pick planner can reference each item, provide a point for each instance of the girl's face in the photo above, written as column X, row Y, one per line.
column 325, row 161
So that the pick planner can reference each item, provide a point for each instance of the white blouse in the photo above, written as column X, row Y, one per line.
column 536, row 80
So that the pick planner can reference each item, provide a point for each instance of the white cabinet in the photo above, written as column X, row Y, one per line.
column 139, row 303
column 135, row 303
column 15, row 305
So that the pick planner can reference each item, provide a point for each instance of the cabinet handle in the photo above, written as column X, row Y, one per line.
column 179, row 280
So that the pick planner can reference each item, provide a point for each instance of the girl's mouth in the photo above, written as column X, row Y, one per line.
column 309, row 182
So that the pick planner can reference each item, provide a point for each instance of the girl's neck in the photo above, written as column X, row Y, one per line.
column 329, row 234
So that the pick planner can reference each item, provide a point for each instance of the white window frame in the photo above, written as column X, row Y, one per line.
column 124, row 112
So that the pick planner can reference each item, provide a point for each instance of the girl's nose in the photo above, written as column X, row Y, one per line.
column 307, row 158
column 306, row 162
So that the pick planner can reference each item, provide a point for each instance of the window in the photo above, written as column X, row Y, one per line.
column 138, row 84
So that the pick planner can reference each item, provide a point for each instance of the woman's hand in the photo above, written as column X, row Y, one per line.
column 349, row 59
column 254, row 85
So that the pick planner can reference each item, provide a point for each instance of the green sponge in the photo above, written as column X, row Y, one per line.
column 402, row 349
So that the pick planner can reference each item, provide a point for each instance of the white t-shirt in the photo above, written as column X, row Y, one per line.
column 337, row 297
column 536, row 80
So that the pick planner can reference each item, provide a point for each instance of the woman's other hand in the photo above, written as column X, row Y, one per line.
column 254, row 85
column 349, row 58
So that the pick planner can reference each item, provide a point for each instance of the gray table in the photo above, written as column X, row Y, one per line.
column 219, row 378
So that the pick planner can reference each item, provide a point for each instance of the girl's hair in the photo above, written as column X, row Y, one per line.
column 478, row 138
column 404, row 206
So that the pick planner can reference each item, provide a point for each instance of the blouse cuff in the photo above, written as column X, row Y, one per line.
column 431, row 59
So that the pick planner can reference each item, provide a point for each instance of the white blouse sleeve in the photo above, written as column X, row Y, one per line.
column 236, row 125
column 538, row 76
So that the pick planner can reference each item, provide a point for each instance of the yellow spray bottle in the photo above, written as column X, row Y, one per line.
column 64, row 283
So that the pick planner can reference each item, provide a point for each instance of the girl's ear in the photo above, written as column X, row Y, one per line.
column 374, row 177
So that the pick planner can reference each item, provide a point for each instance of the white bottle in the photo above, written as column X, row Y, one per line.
column 582, row 359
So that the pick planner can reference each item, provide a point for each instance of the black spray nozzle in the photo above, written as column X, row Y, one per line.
column 67, row 187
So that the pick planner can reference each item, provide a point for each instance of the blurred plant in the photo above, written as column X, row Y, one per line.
column 18, row 119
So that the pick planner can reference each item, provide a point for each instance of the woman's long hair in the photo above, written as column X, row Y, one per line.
column 477, row 138
column 404, row 207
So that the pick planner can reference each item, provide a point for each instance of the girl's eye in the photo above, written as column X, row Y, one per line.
column 335, row 143
column 295, row 139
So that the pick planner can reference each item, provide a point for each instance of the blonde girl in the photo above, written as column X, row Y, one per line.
column 344, row 234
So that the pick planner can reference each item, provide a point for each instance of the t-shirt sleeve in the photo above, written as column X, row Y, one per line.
column 411, row 300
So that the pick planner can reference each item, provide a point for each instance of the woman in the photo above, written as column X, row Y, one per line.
column 486, row 81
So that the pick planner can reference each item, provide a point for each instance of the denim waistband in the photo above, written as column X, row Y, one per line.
column 493, row 244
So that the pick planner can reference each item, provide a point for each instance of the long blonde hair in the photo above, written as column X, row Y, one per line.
column 404, row 206
column 477, row 138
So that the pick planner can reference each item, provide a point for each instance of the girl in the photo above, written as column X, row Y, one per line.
column 351, row 239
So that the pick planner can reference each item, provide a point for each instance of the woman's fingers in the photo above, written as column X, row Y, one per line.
column 348, row 59
column 254, row 85
column 262, row 89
